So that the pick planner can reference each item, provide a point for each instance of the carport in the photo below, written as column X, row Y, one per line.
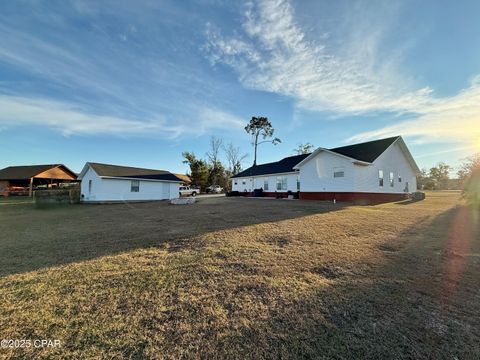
column 22, row 178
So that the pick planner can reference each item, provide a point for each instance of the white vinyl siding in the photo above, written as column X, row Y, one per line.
column 115, row 189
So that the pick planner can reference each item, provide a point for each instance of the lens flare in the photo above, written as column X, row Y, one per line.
column 463, row 230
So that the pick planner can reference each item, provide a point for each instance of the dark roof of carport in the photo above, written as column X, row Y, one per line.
column 133, row 172
column 28, row 171
column 367, row 152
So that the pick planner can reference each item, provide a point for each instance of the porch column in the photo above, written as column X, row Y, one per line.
column 30, row 190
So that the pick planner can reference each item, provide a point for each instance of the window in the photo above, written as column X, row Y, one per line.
column 265, row 184
column 391, row 179
column 338, row 172
column 281, row 183
column 399, row 178
column 298, row 182
column 244, row 182
column 380, row 177
column 135, row 186
column 89, row 186
column 234, row 182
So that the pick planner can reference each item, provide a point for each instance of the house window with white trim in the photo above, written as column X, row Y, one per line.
column 135, row 186
column 298, row 182
column 89, row 186
column 265, row 183
column 244, row 182
column 399, row 178
column 338, row 172
column 281, row 183
column 380, row 177
column 235, row 182
column 392, row 181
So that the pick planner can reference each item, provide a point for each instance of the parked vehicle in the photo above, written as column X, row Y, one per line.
column 214, row 189
column 189, row 191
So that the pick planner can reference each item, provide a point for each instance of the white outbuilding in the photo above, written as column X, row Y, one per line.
column 375, row 171
column 113, row 183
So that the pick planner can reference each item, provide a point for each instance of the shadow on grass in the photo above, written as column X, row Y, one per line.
column 398, row 309
column 31, row 239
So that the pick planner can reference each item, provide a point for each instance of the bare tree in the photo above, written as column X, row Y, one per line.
column 306, row 148
column 212, row 154
column 216, row 171
column 234, row 158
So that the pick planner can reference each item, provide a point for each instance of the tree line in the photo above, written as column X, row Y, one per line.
column 438, row 177
column 211, row 170
column 468, row 179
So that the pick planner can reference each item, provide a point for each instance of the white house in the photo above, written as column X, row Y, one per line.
column 108, row 183
column 374, row 171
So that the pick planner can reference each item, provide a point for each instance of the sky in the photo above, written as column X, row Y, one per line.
column 136, row 83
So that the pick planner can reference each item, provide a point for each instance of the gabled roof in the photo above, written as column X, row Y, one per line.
column 116, row 171
column 367, row 151
column 361, row 154
column 283, row 166
column 29, row 171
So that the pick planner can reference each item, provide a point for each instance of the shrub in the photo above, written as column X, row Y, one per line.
column 471, row 191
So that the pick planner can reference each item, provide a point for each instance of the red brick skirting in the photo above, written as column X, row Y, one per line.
column 355, row 197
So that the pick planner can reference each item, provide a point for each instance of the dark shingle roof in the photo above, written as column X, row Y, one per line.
column 132, row 172
column 283, row 166
column 28, row 171
column 367, row 151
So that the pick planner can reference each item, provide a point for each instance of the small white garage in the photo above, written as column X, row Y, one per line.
column 110, row 183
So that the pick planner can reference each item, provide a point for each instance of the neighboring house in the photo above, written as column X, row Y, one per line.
column 185, row 178
column 374, row 171
column 32, row 176
column 109, row 183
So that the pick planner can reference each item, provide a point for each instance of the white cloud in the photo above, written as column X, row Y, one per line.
column 455, row 119
column 108, row 89
column 273, row 54
column 70, row 119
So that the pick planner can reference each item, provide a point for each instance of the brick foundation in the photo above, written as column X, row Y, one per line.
column 355, row 197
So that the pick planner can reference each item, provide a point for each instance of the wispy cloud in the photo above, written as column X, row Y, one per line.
column 106, row 77
column 274, row 54
column 455, row 118
column 70, row 119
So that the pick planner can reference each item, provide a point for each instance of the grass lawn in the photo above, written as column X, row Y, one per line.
column 15, row 200
column 243, row 278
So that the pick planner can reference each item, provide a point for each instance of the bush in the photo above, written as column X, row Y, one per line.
column 233, row 193
column 471, row 191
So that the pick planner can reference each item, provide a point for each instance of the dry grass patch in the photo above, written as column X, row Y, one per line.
column 276, row 279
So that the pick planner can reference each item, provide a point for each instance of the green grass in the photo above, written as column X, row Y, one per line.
column 7, row 200
column 243, row 278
